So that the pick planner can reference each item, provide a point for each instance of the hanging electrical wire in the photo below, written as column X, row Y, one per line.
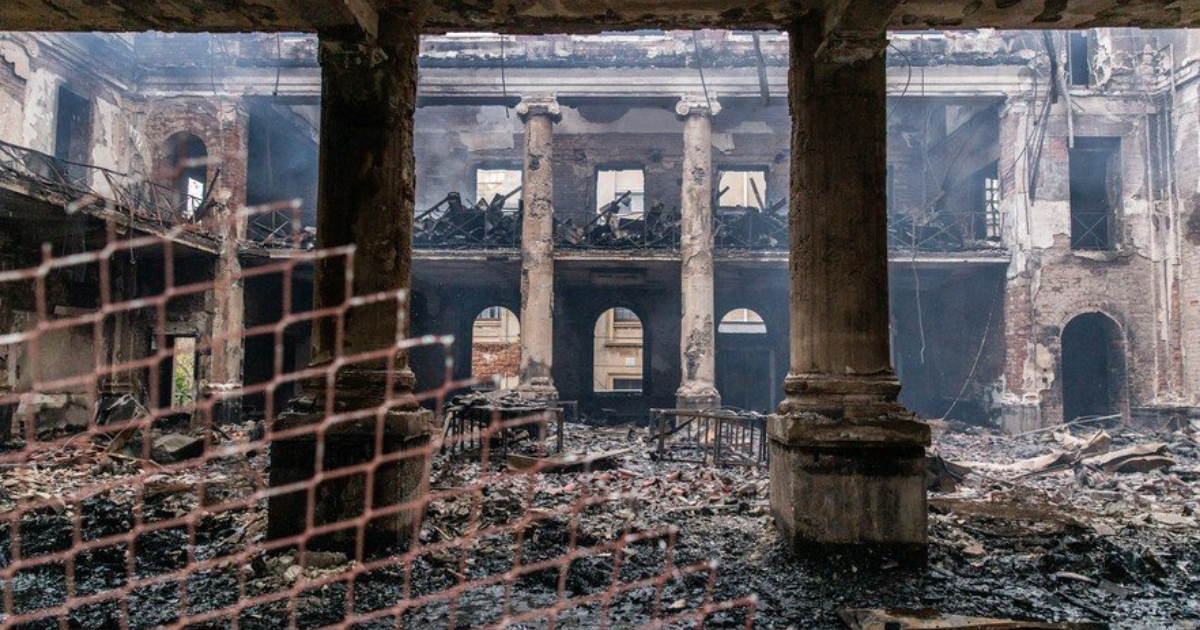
column 503, row 78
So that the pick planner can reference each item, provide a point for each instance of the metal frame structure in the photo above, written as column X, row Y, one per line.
column 719, row 437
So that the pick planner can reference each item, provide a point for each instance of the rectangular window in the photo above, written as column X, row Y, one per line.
column 195, row 196
column 742, row 188
column 1095, row 178
column 626, row 384
column 1159, row 154
column 1078, row 59
column 490, row 182
column 985, row 222
column 611, row 186
column 991, row 208
column 72, row 132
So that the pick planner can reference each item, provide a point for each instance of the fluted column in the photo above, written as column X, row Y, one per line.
column 697, row 343
column 847, row 461
column 537, row 248
column 366, row 195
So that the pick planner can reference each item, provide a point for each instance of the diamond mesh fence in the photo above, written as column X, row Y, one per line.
column 156, row 511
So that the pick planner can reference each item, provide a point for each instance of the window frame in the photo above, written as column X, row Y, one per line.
column 745, row 171
column 635, row 198
column 514, row 203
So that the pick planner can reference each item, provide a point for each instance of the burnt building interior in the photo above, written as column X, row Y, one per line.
column 873, row 257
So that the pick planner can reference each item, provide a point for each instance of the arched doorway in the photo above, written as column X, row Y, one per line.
column 617, row 352
column 187, row 159
column 496, row 349
column 1093, row 367
column 745, row 362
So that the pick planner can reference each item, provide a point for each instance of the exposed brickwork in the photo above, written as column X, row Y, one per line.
column 490, row 359
column 222, row 124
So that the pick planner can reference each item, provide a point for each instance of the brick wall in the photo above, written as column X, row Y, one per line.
column 222, row 124
column 490, row 359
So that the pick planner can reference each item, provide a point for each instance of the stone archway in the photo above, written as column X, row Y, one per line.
column 1093, row 367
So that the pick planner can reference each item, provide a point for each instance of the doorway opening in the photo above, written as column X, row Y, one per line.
column 617, row 352
column 745, row 362
column 1093, row 367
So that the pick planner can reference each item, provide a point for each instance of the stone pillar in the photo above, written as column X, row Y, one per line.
column 537, row 248
column 847, row 461
column 228, row 324
column 366, row 196
column 697, row 342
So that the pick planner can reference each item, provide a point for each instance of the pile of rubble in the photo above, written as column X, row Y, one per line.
column 1075, row 529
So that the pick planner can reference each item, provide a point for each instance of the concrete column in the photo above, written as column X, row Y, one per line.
column 366, row 194
column 697, row 342
column 228, row 324
column 537, row 248
column 847, row 461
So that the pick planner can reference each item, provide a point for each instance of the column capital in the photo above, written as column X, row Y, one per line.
column 697, row 105
column 539, row 105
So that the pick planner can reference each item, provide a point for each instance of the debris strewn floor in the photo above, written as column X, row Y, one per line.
column 1009, row 540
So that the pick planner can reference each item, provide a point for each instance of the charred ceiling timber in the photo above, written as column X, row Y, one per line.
column 451, row 224
column 616, row 227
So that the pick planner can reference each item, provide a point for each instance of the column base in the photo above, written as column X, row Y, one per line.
column 1020, row 417
column 842, row 396
column 839, row 485
column 344, row 498
column 700, row 399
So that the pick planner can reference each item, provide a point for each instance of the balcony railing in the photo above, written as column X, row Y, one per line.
column 942, row 231
column 82, row 184
column 451, row 224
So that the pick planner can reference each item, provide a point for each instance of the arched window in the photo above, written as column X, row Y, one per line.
column 496, row 348
column 617, row 352
column 742, row 321
column 187, row 159
column 1093, row 367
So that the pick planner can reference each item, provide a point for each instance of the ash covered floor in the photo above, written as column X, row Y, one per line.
column 1035, row 531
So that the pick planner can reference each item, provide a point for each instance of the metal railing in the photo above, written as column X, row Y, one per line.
column 719, row 437
column 452, row 224
column 83, row 184
column 940, row 231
